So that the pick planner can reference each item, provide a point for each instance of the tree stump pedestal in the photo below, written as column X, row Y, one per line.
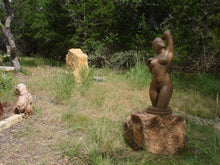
column 158, row 134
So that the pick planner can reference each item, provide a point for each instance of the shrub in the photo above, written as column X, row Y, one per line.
column 7, row 82
column 125, row 59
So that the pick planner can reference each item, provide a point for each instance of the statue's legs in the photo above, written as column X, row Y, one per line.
column 164, row 96
column 153, row 95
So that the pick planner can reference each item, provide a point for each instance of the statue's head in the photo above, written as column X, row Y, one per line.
column 158, row 44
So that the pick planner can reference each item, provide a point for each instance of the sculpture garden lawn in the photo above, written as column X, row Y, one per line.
column 83, row 123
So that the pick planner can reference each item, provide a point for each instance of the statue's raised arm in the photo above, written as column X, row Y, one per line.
column 169, row 48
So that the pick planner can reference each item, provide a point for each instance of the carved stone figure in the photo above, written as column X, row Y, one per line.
column 24, row 103
column 161, row 87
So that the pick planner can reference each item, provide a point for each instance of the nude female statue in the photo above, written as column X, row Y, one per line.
column 161, row 87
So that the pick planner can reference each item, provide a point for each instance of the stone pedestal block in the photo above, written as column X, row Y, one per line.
column 78, row 62
column 156, row 133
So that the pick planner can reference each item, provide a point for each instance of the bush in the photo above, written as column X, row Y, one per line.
column 125, row 59
column 7, row 82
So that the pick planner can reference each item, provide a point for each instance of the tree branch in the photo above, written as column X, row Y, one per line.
column 14, row 10
column 7, row 6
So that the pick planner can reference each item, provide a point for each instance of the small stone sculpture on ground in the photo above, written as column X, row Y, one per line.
column 161, row 87
column 24, row 103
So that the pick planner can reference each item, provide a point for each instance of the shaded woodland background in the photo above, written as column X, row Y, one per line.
column 118, row 33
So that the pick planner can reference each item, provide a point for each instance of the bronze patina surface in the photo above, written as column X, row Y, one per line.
column 161, row 86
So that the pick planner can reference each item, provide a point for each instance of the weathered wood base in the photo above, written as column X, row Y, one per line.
column 156, row 133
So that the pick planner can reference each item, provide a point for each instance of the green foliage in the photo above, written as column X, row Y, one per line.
column 125, row 59
column 39, row 61
column 7, row 82
column 104, row 27
column 59, row 29
column 206, row 84
column 139, row 76
column 194, row 33
column 30, row 28
column 63, row 85
column 60, row 85
column 202, row 142
column 86, row 80
column 5, row 59
column 105, row 134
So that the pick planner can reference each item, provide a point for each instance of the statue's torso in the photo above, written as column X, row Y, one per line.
column 159, row 68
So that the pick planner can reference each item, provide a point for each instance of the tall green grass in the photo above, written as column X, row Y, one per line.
column 203, row 144
column 99, row 134
column 196, row 94
column 102, row 142
column 7, row 83
column 205, row 84
column 60, row 85
column 139, row 76
column 86, row 80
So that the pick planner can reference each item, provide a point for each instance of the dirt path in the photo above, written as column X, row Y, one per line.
column 35, row 140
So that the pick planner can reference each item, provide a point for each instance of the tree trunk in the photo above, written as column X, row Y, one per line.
column 10, row 38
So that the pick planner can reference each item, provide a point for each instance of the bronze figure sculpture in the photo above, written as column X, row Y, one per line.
column 156, row 129
column 161, row 87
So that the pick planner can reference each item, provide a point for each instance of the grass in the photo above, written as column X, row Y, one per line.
column 94, row 113
column 205, row 84
column 39, row 61
column 139, row 76
column 7, row 87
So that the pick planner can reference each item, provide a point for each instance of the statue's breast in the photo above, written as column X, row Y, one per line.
column 163, row 60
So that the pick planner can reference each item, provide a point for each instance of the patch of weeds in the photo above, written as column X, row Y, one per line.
column 60, row 86
column 97, row 99
column 106, row 134
column 37, row 111
column 7, row 82
column 75, row 153
column 196, row 93
column 205, row 84
column 105, row 71
column 203, row 142
column 125, row 59
column 39, row 61
column 202, row 145
column 75, row 119
column 25, row 72
column 194, row 103
column 86, row 80
column 139, row 76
